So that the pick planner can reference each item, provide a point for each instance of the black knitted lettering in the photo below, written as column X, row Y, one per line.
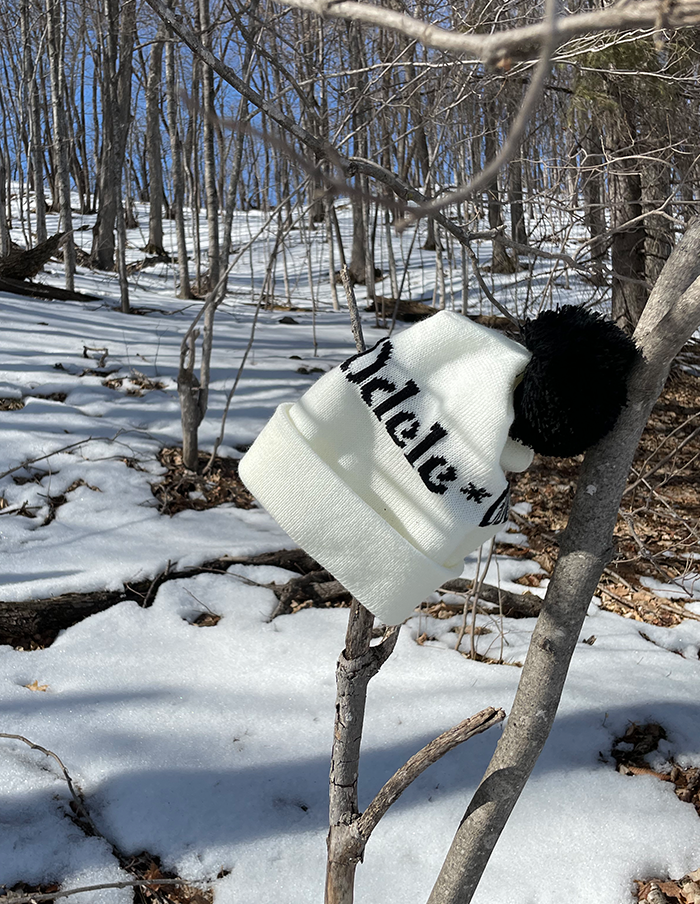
column 374, row 385
column 410, row 389
column 393, row 424
column 436, row 433
column 385, row 350
column 478, row 494
column 437, row 484
column 498, row 511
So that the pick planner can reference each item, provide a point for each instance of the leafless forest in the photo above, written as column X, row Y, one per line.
column 104, row 105
column 575, row 131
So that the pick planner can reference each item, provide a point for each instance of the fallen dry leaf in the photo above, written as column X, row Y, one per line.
column 35, row 686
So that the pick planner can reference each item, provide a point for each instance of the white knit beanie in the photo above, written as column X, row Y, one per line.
column 390, row 469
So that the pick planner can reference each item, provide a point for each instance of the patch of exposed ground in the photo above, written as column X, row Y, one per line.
column 202, row 489
column 629, row 753
column 136, row 384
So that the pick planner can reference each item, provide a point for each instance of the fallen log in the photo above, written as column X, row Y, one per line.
column 518, row 605
column 28, row 624
column 25, row 263
column 40, row 290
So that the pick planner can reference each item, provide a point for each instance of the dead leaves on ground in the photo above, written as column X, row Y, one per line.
column 136, row 384
column 205, row 488
column 147, row 866
column 629, row 753
column 668, row 891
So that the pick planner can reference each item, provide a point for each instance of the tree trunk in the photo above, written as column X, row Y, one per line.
column 56, row 12
column 116, row 111
column 515, row 199
column 5, row 244
column 629, row 288
column 36, row 159
column 594, row 199
column 501, row 262
column 177, row 169
column 210, row 188
column 156, row 194
column 360, row 124
column 658, row 241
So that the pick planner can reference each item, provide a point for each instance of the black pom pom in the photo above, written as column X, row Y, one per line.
column 575, row 384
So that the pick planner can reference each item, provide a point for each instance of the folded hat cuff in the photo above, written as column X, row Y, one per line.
column 321, row 513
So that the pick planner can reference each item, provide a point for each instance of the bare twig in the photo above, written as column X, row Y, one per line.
column 33, row 461
column 420, row 761
column 514, row 43
column 77, row 799
column 355, row 321
column 12, row 898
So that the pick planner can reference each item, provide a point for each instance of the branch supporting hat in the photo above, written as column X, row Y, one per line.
column 390, row 469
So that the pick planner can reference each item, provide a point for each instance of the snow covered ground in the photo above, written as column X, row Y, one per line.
column 209, row 747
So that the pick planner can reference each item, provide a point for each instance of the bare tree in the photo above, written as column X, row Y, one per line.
column 156, row 194
column 119, row 31
column 210, row 188
column 177, row 168
column 56, row 12
column 34, row 117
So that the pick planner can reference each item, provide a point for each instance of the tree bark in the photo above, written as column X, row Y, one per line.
column 515, row 197
column 116, row 112
column 629, row 288
column 501, row 261
column 658, row 239
column 5, row 243
column 156, row 194
column 210, row 188
column 594, row 199
column 177, row 169
column 360, row 125
column 669, row 319
column 34, row 117
column 56, row 37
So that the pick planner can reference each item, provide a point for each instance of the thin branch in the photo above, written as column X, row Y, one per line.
column 77, row 800
column 420, row 761
column 50, row 896
column 32, row 461
column 355, row 321
column 515, row 43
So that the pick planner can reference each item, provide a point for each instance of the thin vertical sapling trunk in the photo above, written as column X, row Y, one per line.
column 156, row 194
column 177, row 169
column 210, row 187
column 669, row 319
column 349, row 829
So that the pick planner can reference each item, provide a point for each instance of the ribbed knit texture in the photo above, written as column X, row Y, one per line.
column 390, row 469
